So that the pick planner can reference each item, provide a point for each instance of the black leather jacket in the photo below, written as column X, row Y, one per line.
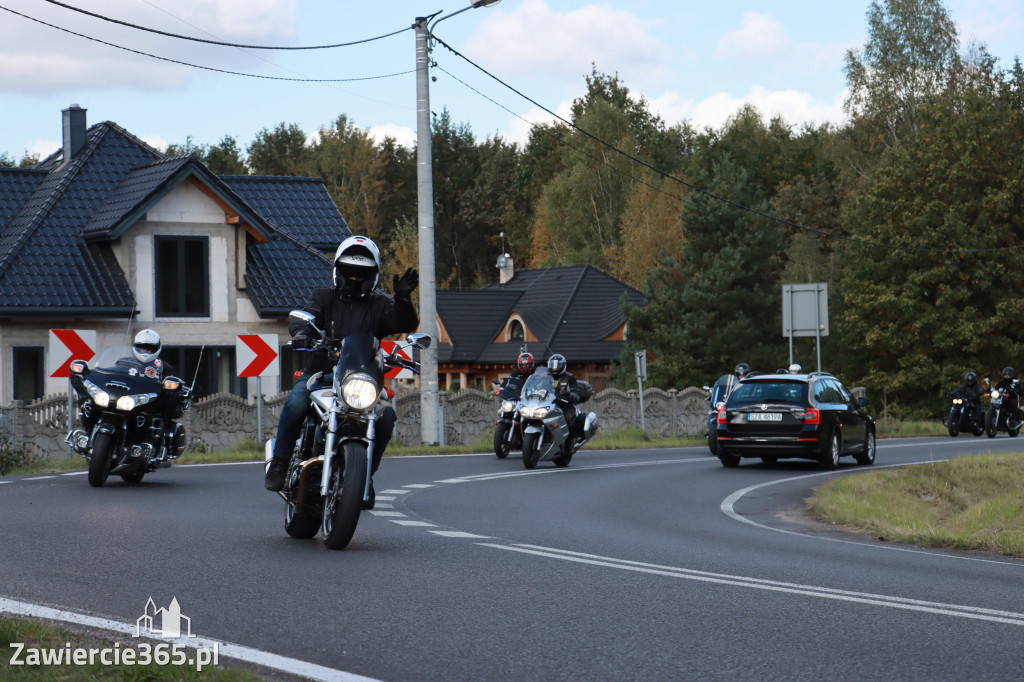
column 566, row 384
column 378, row 314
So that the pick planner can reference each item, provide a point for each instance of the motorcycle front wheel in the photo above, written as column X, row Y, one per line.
column 99, row 461
column 953, row 423
column 344, row 496
column 501, row 445
column 991, row 423
column 300, row 523
column 531, row 450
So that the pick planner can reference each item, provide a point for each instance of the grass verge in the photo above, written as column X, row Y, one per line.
column 967, row 503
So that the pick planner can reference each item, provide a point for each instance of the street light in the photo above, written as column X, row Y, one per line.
column 429, row 422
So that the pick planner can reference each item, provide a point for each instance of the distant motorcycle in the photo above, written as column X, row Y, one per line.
column 964, row 416
column 125, row 409
column 329, row 474
column 545, row 432
column 1001, row 416
column 507, row 434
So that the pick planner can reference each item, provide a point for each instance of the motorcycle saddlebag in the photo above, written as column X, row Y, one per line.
column 586, row 391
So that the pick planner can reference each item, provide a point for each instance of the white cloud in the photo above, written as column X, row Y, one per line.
column 403, row 135
column 41, row 148
column 519, row 128
column 795, row 108
column 534, row 39
column 760, row 36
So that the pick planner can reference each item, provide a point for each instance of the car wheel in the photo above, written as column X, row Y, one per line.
column 867, row 457
column 713, row 443
column 830, row 457
column 729, row 461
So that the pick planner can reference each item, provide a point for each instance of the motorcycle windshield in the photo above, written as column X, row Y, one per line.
column 540, row 385
column 361, row 353
column 120, row 374
column 512, row 389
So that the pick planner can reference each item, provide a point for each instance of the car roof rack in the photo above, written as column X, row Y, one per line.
column 819, row 374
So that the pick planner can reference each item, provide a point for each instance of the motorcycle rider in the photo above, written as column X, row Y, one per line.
column 524, row 368
column 567, row 392
column 353, row 305
column 972, row 391
column 1012, row 388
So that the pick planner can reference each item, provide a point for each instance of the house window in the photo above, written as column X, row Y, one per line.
column 182, row 276
column 28, row 372
column 516, row 332
column 212, row 368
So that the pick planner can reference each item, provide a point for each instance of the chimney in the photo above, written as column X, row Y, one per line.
column 506, row 270
column 74, row 131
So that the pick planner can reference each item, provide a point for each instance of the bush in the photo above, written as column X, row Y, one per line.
column 10, row 459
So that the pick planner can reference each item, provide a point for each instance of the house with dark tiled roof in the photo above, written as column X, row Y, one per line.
column 575, row 311
column 110, row 235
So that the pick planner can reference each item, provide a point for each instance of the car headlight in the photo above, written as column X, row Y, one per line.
column 359, row 392
column 508, row 406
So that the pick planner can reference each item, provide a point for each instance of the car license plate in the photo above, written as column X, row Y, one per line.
column 764, row 416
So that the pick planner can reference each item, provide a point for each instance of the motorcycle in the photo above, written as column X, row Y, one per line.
column 507, row 434
column 545, row 432
column 1000, row 417
column 964, row 415
column 328, row 481
column 126, row 411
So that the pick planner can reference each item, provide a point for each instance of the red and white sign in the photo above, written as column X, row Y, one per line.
column 397, row 372
column 67, row 345
column 257, row 356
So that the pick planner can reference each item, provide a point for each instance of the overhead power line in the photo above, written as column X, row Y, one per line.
column 706, row 192
column 200, row 66
column 218, row 42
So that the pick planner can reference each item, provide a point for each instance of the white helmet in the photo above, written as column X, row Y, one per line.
column 146, row 346
column 356, row 267
column 796, row 369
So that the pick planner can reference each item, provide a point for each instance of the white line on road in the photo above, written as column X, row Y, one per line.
column 957, row 610
column 242, row 653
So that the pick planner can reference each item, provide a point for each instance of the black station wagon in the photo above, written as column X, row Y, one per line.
column 810, row 416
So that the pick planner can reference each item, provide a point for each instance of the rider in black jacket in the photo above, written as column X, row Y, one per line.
column 972, row 391
column 1011, row 384
column 354, row 305
column 567, row 392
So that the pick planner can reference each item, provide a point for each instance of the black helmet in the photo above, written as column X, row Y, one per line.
column 742, row 370
column 971, row 378
column 1009, row 373
column 556, row 365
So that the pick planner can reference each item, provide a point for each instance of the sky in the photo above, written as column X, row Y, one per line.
column 520, row 60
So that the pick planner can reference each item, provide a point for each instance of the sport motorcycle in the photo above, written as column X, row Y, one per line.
column 1000, row 415
column 508, row 435
column 127, row 414
column 545, row 432
column 328, row 481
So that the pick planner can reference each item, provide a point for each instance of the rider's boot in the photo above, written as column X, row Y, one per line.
column 275, row 475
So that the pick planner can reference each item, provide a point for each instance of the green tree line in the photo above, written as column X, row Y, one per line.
column 911, row 212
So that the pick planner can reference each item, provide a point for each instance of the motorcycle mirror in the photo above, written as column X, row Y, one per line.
column 302, row 317
column 421, row 341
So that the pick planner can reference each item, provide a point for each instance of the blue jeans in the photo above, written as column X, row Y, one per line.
column 296, row 406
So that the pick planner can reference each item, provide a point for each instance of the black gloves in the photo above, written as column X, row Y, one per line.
column 302, row 343
column 405, row 284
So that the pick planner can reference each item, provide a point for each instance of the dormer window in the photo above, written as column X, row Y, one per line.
column 516, row 332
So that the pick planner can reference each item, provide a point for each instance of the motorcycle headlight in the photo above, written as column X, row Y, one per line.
column 508, row 406
column 535, row 412
column 957, row 401
column 102, row 398
column 126, row 403
column 359, row 392
column 994, row 394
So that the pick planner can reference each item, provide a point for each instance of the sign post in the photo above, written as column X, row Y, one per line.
column 640, row 357
column 805, row 313
column 67, row 345
column 256, row 356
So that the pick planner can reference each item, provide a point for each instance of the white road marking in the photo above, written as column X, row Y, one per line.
column 242, row 653
column 394, row 492
column 386, row 513
column 422, row 524
column 39, row 478
column 75, row 473
column 419, row 485
column 458, row 534
column 957, row 610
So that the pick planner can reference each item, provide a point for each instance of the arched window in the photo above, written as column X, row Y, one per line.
column 516, row 332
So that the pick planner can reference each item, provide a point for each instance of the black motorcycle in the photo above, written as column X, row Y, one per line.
column 964, row 415
column 1002, row 415
column 329, row 475
column 508, row 436
column 127, row 417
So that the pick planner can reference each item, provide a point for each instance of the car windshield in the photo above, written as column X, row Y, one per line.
column 769, row 392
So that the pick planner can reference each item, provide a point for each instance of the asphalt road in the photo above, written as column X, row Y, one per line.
column 645, row 564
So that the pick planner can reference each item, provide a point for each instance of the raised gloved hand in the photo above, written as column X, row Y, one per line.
column 302, row 342
column 406, row 284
